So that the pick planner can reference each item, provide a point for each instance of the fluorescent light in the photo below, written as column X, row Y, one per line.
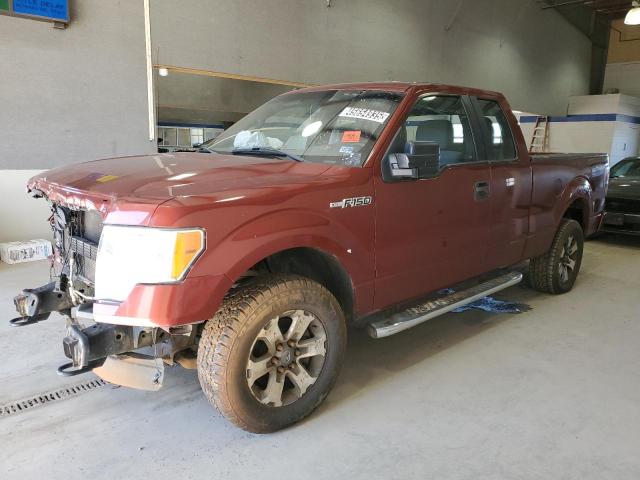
column 181, row 176
column 230, row 199
column 163, row 72
column 633, row 17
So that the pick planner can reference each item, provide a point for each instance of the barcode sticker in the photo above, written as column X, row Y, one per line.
column 364, row 114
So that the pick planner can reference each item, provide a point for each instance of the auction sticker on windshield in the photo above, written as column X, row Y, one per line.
column 351, row 136
column 364, row 114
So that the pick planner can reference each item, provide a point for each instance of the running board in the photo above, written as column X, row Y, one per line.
column 413, row 316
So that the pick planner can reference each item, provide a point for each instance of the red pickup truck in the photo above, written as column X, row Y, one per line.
column 324, row 207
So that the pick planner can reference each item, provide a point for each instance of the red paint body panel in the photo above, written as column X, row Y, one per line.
column 425, row 241
column 415, row 238
column 176, row 304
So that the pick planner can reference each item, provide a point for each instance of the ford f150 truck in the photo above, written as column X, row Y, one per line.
column 325, row 207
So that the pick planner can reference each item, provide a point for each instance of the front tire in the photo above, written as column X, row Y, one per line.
column 556, row 271
column 272, row 352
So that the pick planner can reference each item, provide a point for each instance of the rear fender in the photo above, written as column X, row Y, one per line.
column 547, row 217
column 577, row 190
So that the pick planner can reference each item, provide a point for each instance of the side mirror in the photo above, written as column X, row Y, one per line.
column 421, row 160
column 399, row 167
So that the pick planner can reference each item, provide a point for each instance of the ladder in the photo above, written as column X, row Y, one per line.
column 540, row 136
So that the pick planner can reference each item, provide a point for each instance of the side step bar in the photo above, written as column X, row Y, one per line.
column 413, row 316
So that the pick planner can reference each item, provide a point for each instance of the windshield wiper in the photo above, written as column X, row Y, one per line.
column 266, row 151
column 202, row 148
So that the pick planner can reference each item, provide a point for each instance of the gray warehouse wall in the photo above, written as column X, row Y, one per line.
column 187, row 98
column 534, row 56
column 67, row 96
column 77, row 94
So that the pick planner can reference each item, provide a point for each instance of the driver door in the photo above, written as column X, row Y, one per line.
column 433, row 232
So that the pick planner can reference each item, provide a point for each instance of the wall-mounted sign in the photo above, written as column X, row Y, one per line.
column 48, row 10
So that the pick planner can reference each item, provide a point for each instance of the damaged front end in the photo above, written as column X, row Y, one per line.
column 126, row 355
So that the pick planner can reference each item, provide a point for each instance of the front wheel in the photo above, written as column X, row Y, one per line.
column 556, row 271
column 272, row 352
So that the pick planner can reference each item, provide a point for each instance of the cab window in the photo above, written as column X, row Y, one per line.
column 441, row 120
column 501, row 143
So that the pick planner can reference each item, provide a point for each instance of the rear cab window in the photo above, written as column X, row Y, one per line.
column 499, row 137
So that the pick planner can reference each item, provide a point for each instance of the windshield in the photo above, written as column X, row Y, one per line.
column 337, row 127
column 629, row 167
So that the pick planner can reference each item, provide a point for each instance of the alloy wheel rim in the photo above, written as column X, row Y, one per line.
column 286, row 358
column 568, row 258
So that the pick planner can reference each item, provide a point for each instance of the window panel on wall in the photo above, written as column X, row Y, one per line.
column 184, row 137
column 169, row 136
column 210, row 133
column 197, row 136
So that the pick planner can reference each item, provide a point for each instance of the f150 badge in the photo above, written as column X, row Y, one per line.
column 352, row 202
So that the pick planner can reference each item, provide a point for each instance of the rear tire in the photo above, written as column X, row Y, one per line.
column 556, row 271
column 272, row 352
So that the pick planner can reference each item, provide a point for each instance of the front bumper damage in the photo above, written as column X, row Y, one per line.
column 108, row 350
column 121, row 354
column 36, row 304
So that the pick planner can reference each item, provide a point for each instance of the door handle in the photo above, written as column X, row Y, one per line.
column 481, row 191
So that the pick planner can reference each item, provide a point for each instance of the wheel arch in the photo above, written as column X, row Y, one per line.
column 576, row 202
column 578, row 211
column 310, row 262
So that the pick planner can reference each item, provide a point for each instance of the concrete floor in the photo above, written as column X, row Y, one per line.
column 552, row 393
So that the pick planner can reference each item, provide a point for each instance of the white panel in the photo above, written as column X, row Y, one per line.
column 581, row 137
column 616, row 103
column 590, row 104
column 626, row 140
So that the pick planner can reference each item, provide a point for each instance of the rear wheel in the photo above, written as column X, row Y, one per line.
column 272, row 352
column 556, row 271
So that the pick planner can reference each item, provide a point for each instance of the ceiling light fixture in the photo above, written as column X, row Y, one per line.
column 633, row 17
column 163, row 72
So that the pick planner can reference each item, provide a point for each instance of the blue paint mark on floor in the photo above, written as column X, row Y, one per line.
column 490, row 304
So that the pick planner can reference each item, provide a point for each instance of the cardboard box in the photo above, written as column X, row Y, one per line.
column 29, row 251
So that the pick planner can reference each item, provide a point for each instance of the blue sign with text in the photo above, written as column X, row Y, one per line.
column 51, row 9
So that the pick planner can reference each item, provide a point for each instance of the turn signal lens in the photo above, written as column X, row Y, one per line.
column 189, row 244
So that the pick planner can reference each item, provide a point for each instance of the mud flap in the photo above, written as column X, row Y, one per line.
column 133, row 372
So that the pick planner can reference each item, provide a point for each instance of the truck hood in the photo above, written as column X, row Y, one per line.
column 624, row 188
column 156, row 178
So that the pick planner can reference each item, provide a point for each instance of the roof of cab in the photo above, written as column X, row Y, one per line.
column 403, row 87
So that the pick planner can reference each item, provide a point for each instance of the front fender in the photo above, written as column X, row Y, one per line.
column 274, row 232
column 224, row 262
